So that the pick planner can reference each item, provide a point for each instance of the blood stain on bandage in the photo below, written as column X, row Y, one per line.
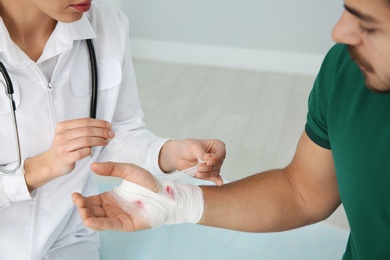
column 170, row 192
column 139, row 204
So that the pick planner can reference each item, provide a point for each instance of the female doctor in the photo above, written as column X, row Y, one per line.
column 44, row 52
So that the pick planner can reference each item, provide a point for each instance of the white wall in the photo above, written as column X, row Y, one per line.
column 254, row 34
column 116, row 3
column 301, row 26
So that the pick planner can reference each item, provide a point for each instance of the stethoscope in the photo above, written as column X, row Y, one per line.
column 9, row 90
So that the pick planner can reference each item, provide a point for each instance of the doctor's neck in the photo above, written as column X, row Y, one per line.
column 28, row 26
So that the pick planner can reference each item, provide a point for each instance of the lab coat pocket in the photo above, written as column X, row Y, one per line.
column 109, row 76
column 5, row 107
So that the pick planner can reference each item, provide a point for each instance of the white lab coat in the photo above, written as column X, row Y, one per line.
column 38, row 225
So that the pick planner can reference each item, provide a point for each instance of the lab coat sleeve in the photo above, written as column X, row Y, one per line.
column 13, row 188
column 133, row 143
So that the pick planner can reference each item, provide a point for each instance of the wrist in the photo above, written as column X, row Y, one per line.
column 188, row 200
column 166, row 159
column 37, row 171
column 175, row 203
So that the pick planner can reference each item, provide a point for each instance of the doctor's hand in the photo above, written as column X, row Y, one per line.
column 73, row 140
column 182, row 154
column 101, row 212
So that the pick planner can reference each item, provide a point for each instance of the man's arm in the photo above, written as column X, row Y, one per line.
column 302, row 193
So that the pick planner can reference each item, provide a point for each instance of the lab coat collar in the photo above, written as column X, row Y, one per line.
column 7, row 46
column 82, row 29
column 64, row 35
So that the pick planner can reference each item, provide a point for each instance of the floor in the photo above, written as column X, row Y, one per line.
column 259, row 115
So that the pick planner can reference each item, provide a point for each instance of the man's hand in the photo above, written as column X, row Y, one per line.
column 101, row 212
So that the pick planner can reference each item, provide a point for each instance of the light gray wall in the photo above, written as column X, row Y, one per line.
column 302, row 26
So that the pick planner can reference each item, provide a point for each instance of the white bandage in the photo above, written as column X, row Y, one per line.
column 174, row 204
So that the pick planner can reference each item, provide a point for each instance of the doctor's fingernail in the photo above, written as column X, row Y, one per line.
column 111, row 134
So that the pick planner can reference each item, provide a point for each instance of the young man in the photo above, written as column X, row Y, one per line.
column 342, row 156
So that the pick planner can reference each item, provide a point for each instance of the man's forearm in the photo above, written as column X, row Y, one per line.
column 260, row 203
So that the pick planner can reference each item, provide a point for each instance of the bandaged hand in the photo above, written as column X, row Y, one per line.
column 140, row 202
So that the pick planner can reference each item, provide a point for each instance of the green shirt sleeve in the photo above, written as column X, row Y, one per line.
column 317, row 118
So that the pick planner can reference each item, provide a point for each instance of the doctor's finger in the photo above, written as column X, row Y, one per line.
column 74, row 156
column 217, row 180
column 208, row 174
column 208, row 169
column 80, row 144
column 66, row 136
column 82, row 122
column 216, row 153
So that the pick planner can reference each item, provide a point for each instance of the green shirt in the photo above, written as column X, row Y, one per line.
column 354, row 123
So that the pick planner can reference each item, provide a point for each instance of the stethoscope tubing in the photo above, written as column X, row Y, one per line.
column 10, row 92
column 94, row 69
